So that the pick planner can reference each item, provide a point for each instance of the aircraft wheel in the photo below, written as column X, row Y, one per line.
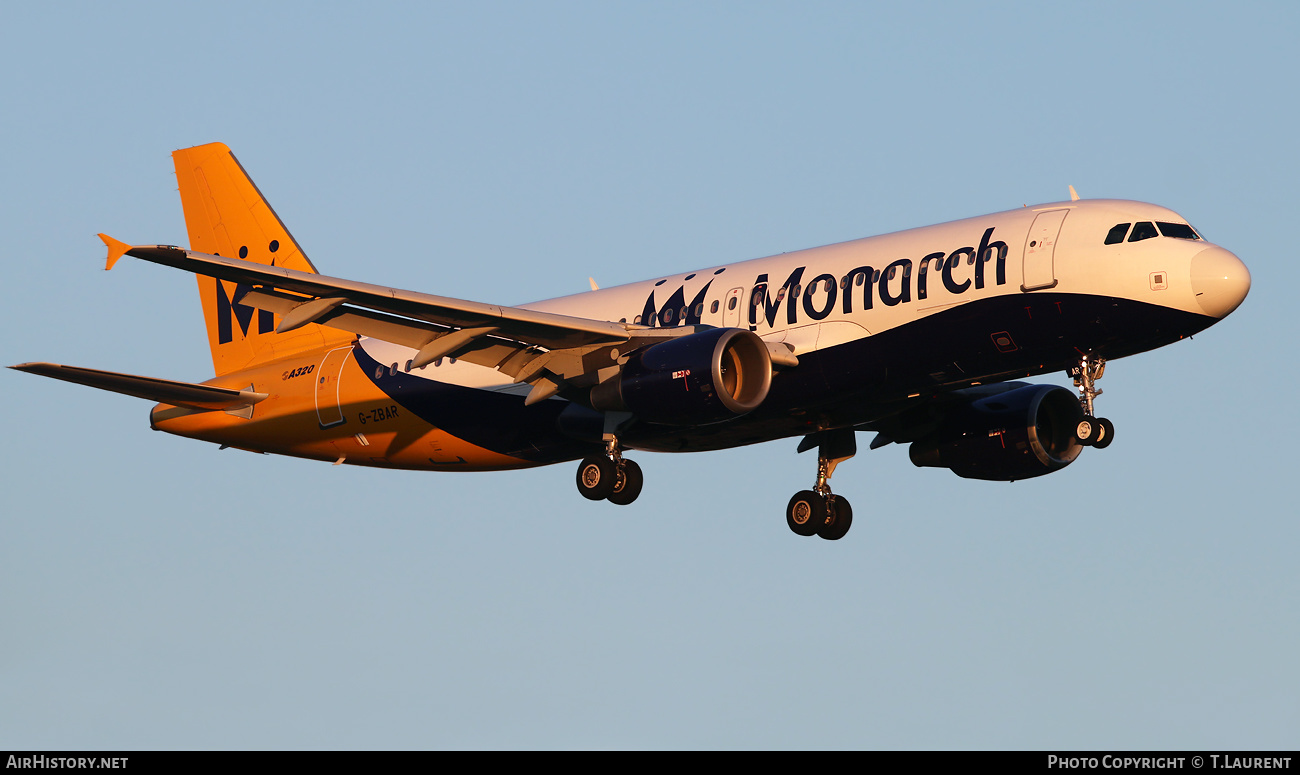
column 627, row 483
column 1086, row 431
column 805, row 512
column 839, row 522
column 1105, row 433
column 596, row 478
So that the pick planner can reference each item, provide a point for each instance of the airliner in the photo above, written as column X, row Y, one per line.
column 918, row 336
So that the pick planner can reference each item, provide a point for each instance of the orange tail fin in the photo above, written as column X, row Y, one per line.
column 226, row 215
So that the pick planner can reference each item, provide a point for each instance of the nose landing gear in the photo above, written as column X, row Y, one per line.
column 1092, row 431
column 819, row 511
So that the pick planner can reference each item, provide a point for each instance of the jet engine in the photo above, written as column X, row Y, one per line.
column 1017, row 434
column 700, row 378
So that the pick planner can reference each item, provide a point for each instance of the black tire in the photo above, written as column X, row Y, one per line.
column 1086, row 430
column 596, row 478
column 805, row 512
column 1105, row 433
column 627, row 483
column 840, row 520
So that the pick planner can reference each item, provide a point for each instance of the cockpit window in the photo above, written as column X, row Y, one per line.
column 1143, row 230
column 1177, row 230
column 1116, row 233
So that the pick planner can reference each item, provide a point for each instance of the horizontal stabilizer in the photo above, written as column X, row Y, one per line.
column 162, row 390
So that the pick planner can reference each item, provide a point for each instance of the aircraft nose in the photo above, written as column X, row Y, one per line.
column 1220, row 281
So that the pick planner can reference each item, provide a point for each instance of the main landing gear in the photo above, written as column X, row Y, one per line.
column 1092, row 430
column 610, row 476
column 819, row 511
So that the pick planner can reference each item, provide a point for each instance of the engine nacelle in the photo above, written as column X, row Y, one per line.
column 1017, row 434
column 690, row 380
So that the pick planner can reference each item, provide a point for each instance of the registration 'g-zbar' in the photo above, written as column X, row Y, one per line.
column 915, row 336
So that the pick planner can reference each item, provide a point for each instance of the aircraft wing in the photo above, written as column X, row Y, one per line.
column 162, row 390
column 530, row 327
column 547, row 350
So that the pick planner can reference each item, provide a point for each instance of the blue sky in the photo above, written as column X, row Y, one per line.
column 157, row 593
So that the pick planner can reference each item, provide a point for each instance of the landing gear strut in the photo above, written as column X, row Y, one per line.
column 610, row 476
column 1092, row 430
column 819, row 510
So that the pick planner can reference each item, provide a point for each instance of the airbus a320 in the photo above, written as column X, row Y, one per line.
column 916, row 336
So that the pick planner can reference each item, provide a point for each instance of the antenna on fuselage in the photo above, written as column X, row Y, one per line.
column 1074, row 195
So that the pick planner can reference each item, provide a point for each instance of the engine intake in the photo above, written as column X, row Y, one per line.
column 700, row 378
column 1017, row 434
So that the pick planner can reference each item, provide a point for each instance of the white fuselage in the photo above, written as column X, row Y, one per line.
column 798, row 298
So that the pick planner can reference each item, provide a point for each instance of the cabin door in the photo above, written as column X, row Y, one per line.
column 328, row 381
column 1040, row 248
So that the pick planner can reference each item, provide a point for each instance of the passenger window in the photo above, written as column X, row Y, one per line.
column 731, row 303
column 1143, row 230
column 1116, row 233
column 1177, row 230
column 713, row 308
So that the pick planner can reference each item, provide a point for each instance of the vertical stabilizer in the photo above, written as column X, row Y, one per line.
column 226, row 215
